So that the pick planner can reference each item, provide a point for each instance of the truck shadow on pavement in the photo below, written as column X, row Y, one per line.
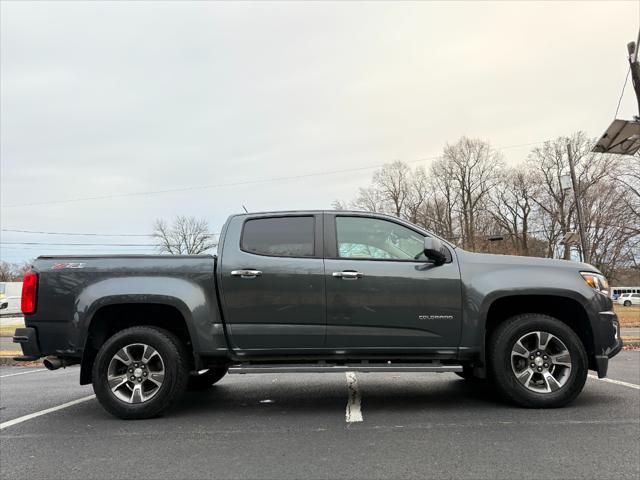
column 291, row 397
column 377, row 394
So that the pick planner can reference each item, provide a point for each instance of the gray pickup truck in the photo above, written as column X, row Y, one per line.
column 318, row 291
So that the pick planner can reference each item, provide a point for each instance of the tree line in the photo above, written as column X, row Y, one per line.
column 13, row 272
column 472, row 198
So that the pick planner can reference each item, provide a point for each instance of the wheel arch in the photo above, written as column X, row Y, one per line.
column 118, row 314
column 566, row 308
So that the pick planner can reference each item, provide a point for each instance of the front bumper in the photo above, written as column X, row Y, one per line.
column 28, row 340
column 607, row 339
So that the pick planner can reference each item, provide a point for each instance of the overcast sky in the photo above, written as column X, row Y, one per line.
column 102, row 98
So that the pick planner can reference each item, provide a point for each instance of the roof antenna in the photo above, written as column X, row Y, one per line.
column 245, row 209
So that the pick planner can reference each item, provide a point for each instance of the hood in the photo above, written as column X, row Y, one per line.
column 515, row 260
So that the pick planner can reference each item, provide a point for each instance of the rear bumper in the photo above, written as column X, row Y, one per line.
column 28, row 339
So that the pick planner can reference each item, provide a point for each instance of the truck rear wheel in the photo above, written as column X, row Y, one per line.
column 204, row 380
column 537, row 361
column 140, row 372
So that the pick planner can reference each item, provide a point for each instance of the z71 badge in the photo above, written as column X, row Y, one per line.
column 60, row 266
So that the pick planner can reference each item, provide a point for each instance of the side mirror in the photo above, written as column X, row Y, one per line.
column 433, row 250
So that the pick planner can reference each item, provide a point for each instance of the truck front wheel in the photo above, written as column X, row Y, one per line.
column 140, row 372
column 537, row 361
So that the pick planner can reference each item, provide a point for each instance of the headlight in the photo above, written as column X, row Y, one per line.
column 596, row 281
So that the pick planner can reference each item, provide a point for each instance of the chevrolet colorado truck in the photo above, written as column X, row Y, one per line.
column 318, row 291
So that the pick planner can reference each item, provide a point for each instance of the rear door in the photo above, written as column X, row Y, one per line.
column 272, row 282
column 382, row 293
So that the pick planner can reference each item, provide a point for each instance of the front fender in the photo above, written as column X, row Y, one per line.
column 482, row 286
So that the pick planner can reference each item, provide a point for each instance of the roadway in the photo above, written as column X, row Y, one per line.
column 295, row 426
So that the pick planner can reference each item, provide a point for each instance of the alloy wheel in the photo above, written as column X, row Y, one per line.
column 135, row 373
column 541, row 362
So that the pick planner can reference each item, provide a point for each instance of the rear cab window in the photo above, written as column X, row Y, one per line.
column 291, row 236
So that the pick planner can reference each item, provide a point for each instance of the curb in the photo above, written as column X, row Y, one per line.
column 9, row 361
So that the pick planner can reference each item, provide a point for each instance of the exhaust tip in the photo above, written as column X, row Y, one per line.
column 52, row 363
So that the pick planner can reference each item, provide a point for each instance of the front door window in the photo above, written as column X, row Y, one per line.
column 373, row 238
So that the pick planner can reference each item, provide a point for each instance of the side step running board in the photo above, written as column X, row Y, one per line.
column 360, row 367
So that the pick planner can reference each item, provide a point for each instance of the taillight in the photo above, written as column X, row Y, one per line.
column 29, row 292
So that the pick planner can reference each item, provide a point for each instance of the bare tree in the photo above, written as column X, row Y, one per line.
column 629, row 176
column 394, row 184
column 370, row 200
column 474, row 168
column 13, row 272
column 395, row 189
column 186, row 236
column 556, row 209
column 21, row 269
column 439, row 213
column 6, row 271
column 610, row 234
column 512, row 206
column 418, row 194
column 468, row 194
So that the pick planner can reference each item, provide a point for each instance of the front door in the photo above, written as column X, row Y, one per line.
column 382, row 293
column 272, row 283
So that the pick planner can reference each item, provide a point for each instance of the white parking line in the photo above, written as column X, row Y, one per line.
column 15, row 421
column 353, row 413
column 23, row 373
column 617, row 382
column 72, row 369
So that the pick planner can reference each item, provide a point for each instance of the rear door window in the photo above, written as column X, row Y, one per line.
column 279, row 236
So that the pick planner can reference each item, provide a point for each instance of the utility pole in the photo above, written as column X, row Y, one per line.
column 576, row 196
column 632, row 48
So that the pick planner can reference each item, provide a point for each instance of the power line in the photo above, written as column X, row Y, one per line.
column 82, row 249
column 235, row 184
column 77, row 244
column 199, row 187
column 92, row 234
column 626, row 78
column 79, row 233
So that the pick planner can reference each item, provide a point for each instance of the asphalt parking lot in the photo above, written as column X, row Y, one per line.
column 295, row 426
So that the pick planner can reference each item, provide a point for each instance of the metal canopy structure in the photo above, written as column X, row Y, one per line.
column 622, row 137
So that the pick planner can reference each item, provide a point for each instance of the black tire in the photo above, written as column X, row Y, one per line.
column 204, row 380
column 176, row 372
column 627, row 303
column 499, row 349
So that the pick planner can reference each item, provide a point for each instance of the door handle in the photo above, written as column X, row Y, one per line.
column 348, row 275
column 246, row 273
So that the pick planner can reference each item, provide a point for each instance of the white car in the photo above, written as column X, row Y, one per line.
column 628, row 299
